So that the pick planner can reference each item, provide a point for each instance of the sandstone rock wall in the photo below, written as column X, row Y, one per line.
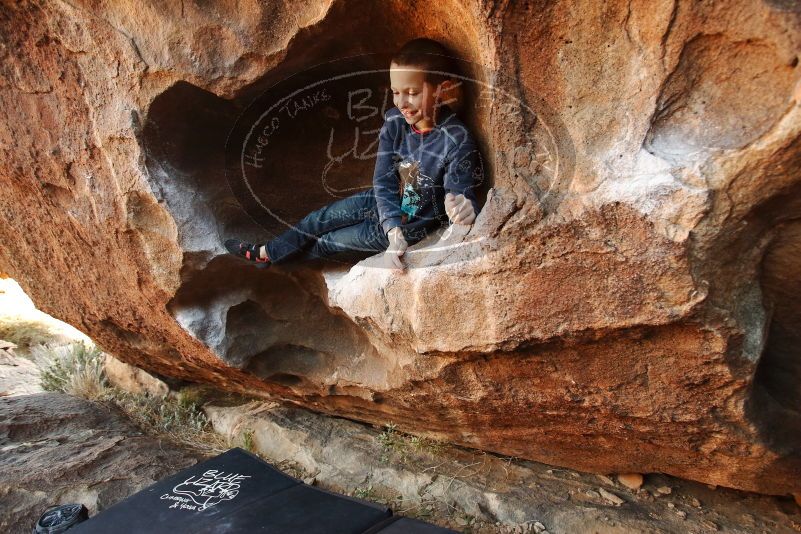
column 626, row 300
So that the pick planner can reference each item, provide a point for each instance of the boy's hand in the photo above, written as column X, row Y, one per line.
column 397, row 247
column 459, row 209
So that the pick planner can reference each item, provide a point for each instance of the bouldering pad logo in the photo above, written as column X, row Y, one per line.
column 200, row 492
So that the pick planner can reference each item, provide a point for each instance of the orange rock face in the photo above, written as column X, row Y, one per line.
column 626, row 301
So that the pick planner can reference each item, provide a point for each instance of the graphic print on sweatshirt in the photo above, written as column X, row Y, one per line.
column 412, row 185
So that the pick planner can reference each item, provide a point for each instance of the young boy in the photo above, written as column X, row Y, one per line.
column 427, row 168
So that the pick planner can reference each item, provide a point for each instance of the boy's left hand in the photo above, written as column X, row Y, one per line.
column 459, row 209
column 397, row 248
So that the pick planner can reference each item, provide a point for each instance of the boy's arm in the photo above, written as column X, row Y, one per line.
column 386, row 180
column 464, row 171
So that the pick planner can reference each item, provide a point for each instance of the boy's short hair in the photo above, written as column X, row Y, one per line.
column 429, row 55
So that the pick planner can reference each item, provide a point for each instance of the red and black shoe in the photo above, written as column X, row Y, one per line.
column 246, row 250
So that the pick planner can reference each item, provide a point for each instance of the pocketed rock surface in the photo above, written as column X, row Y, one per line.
column 626, row 301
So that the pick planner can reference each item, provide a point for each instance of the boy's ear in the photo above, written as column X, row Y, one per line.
column 448, row 92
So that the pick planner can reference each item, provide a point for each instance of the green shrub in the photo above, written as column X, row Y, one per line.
column 402, row 446
column 191, row 397
column 248, row 442
column 364, row 492
column 167, row 415
column 78, row 372
column 180, row 419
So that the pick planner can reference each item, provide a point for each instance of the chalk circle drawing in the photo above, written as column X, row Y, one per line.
column 314, row 134
column 211, row 488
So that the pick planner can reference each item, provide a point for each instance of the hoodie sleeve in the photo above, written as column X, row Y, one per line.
column 386, row 179
column 464, row 170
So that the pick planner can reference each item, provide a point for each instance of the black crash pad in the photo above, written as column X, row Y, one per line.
column 193, row 498
column 236, row 492
column 303, row 509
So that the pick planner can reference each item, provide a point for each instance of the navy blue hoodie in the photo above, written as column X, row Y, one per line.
column 414, row 170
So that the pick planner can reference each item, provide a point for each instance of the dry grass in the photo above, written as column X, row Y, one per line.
column 78, row 370
column 178, row 419
column 25, row 333
column 87, row 383
column 248, row 443
column 403, row 447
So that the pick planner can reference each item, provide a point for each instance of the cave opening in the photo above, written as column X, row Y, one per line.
column 775, row 404
column 328, row 93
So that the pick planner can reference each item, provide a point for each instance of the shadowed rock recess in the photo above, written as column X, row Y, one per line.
column 627, row 300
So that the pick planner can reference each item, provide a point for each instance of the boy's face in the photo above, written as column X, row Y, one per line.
column 414, row 96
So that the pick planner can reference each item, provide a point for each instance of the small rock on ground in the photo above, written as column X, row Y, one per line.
column 631, row 480
column 611, row 497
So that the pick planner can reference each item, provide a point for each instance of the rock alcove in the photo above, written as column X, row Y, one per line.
column 320, row 117
column 626, row 302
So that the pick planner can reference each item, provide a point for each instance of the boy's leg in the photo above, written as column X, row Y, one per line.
column 340, row 214
column 352, row 242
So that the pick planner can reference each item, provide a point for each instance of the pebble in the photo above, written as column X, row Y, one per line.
column 671, row 505
column 310, row 481
column 611, row 497
column 664, row 490
column 606, row 480
column 681, row 514
column 695, row 502
column 539, row 527
column 631, row 480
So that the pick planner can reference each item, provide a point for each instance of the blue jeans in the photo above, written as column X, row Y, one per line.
column 348, row 226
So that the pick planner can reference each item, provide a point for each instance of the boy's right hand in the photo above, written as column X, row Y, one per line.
column 397, row 248
column 459, row 209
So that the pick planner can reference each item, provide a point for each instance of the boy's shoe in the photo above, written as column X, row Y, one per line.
column 247, row 251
